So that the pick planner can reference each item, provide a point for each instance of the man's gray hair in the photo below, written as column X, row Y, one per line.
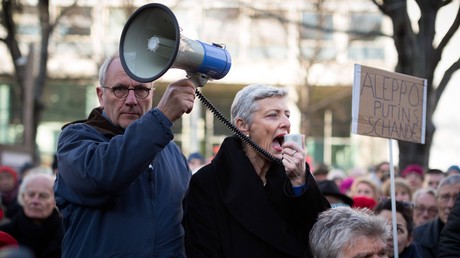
column 245, row 102
column 450, row 180
column 428, row 190
column 103, row 69
column 337, row 228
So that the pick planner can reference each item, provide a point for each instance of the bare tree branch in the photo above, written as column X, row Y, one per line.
column 445, row 80
column 445, row 40
column 64, row 12
column 284, row 20
column 11, row 30
column 380, row 6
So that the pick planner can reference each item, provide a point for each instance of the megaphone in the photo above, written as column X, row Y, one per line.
column 151, row 44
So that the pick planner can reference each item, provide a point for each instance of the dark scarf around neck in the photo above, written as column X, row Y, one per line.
column 97, row 120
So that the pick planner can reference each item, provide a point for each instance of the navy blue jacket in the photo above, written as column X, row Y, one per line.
column 120, row 191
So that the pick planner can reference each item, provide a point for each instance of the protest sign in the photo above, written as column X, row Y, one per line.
column 388, row 104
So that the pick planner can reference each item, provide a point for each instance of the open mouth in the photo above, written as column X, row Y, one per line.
column 278, row 142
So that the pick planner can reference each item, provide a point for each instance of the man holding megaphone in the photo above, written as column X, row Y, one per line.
column 121, row 178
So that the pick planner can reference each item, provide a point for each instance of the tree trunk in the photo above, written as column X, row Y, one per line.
column 416, row 55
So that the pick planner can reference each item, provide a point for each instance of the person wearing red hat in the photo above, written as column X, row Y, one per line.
column 414, row 174
column 9, row 185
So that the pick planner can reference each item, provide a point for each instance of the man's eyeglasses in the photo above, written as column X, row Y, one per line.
column 433, row 211
column 447, row 197
column 123, row 91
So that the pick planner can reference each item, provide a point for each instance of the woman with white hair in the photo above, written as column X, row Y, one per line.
column 244, row 204
column 39, row 225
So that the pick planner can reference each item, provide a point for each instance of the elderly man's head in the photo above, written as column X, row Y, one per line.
column 123, row 99
column 448, row 190
column 36, row 195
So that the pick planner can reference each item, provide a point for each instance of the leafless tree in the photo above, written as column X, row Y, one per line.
column 26, row 79
column 31, row 76
column 418, row 55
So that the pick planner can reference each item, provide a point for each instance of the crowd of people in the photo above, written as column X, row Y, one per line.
column 121, row 187
column 425, row 202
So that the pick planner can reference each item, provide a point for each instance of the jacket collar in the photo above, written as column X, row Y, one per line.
column 97, row 120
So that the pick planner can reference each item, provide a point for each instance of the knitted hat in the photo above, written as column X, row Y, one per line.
column 453, row 168
column 414, row 168
column 10, row 171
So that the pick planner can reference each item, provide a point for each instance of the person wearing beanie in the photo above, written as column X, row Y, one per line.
column 452, row 170
column 414, row 174
column 9, row 185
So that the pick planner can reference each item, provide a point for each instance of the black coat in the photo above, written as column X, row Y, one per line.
column 44, row 240
column 427, row 235
column 449, row 242
column 229, row 213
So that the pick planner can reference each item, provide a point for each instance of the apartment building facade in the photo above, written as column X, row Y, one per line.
column 307, row 46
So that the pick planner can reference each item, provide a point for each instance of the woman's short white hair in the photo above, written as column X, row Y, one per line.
column 245, row 102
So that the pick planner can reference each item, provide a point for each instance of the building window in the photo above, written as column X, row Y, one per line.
column 364, row 52
column 77, row 22
column 323, row 53
column 219, row 27
column 65, row 101
column 268, row 33
column 365, row 29
column 366, row 25
column 316, row 26
column 117, row 20
column 28, row 26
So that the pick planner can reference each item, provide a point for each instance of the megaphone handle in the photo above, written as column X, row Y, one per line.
column 235, row 130
column 198, row 79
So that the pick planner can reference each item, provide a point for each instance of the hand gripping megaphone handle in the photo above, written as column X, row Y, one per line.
column 198, row 79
